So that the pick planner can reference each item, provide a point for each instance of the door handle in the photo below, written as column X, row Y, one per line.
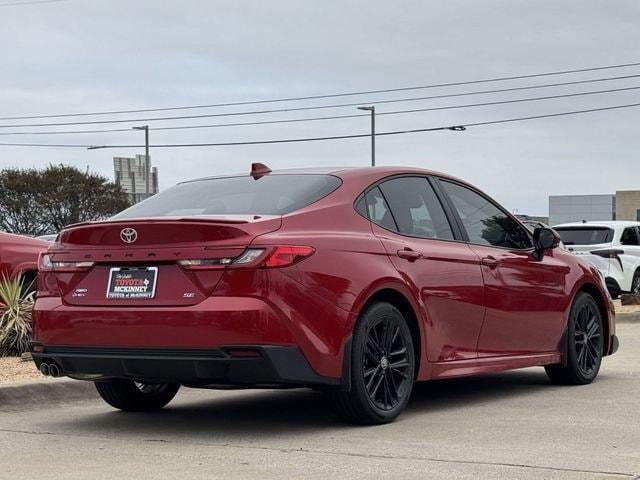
column 490, row 262
column 409, row 254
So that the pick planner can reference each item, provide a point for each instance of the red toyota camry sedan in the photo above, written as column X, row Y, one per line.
column 358, row 282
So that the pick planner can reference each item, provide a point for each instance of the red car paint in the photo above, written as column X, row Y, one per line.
column 478, row 308
column 19, row 255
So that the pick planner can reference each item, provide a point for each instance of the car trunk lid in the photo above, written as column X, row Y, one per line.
column 135, row 254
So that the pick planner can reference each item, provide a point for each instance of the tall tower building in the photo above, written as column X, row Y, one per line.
column 131, row 174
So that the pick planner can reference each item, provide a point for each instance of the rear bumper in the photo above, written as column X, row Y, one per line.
column 250, row 366
column 314, row 327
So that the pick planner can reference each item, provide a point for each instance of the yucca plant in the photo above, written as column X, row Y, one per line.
column 16, row 304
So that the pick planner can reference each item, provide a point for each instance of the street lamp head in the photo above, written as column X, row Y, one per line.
column 368, row 109
column 143, row 127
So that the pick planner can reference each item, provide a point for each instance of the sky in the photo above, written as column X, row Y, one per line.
column 100, row 55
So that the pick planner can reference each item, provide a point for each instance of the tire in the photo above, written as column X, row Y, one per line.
column 635, row 283
column 382, row 368
column 133, row 396
column 28, row 283
column 584, row 346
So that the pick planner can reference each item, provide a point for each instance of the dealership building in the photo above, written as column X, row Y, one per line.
column 623, row 205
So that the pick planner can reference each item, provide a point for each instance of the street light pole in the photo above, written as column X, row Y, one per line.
column 147, row 162
column 372, row 109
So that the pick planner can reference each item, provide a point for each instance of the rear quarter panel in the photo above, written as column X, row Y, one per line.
column 19, row 254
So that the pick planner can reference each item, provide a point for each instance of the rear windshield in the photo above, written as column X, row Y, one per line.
column 585, row 235
column 267, row 195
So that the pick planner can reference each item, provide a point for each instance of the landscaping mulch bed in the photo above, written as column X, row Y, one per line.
column 14, row 369
column 626, row 308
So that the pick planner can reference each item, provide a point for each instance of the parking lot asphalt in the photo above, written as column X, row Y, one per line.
column 511, row 425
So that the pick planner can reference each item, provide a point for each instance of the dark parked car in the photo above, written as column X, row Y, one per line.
column 355, row 281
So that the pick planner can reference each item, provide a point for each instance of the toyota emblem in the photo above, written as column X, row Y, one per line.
column 128, row 235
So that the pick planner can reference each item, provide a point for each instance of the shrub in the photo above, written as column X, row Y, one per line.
column 16, row 304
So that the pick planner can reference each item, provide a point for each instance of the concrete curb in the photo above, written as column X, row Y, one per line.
column 631, row 317
column 44, row 393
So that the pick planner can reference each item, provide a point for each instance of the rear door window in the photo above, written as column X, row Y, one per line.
column 416, row 209
column 378, row 210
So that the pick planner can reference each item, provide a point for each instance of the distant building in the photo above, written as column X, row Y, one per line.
column 575, row 208
column 628, row 205
column 624, row 205
column 131, row 174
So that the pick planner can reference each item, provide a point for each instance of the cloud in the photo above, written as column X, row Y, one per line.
column 83, row 56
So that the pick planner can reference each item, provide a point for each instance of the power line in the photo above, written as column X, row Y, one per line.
column 187, row 127
column 44, row 145
column 550, row 115
column 333, row 95
column 457, row 127
column 503, row 102
column 184, row 117
column 332, row 117
column 29, row 2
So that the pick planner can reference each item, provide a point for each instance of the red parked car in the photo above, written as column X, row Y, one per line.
column 354, row 281
column 19, row 257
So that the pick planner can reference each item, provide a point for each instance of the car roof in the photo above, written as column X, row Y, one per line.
column 342, row 172
column 607, row 224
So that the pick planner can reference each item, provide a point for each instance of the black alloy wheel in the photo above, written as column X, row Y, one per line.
column 382, row 369
column 587, row 338
column 385, row 364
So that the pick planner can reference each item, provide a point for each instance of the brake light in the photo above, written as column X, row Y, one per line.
column 46, row 264
column 287, row 255
column 610, row 253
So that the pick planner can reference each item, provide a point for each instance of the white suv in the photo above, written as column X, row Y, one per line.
column 612, row 247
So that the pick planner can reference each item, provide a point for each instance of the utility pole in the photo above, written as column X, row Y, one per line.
column 372, row 109
column 147, row 161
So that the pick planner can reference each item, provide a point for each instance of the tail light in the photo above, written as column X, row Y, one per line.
column 610, row 253
column 280, row 256
column 286, row 255
column 46, row 264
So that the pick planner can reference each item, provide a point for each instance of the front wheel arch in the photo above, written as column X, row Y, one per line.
column 594, row 291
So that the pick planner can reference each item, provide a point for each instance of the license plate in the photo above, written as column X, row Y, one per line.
column 132, row 283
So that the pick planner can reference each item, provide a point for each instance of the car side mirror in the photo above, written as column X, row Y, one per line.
column 545, row 239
